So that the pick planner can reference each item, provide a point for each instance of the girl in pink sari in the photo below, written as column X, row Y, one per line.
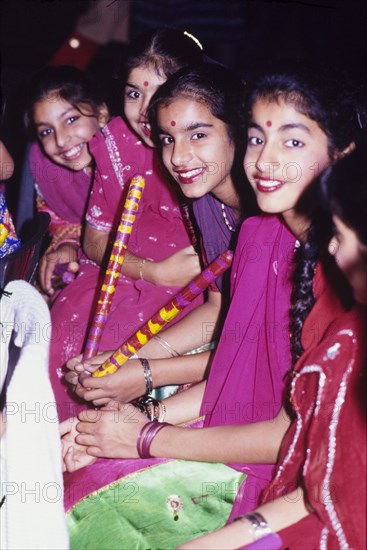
column 159, row 241
column 317, row 498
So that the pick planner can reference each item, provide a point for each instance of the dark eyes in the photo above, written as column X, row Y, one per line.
column 133, row 94
column 254, row 140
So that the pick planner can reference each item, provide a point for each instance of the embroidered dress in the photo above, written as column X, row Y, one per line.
column 325, row 448
column 9, row 241
column 158, row 232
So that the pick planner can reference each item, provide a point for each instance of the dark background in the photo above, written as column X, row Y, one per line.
column 241, row 33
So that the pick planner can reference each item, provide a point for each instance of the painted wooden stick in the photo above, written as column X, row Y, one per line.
column 114, row 266
column 166, row 314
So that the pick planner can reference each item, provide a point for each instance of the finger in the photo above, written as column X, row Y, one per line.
column 73, row 362
column 89, row 416
column 90, row 395
column 71, row 378
column 86, row 440
column 67, row 425
column 101, row 401
column 95, row 451
column 68, row 465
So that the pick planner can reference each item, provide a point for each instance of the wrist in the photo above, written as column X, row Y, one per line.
column 256, row 525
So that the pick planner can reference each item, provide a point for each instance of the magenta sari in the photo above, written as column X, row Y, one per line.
column 247, row 378
column 158, row 232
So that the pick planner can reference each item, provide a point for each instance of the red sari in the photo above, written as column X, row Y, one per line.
column 324, row 451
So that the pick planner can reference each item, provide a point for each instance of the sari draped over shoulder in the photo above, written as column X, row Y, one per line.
column 325, row 447
column 158, row 232
column 231, row 398
column 65, row 192
column 248, row 375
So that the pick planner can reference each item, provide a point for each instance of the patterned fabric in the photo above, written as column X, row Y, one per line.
column 325, row 448
column 9, row 241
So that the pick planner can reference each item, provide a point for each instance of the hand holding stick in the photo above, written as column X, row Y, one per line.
column 166, row 314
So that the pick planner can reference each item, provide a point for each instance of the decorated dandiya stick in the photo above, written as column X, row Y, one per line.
column 166, row 314
column 114, row 266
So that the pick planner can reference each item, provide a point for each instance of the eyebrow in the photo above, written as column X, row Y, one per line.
column 60, row 116
column 190, row 127
column 283, row 128
column 131, row 85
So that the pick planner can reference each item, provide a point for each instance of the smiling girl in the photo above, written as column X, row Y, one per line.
column 295, row 121
column 64, row 110
column 159, row 242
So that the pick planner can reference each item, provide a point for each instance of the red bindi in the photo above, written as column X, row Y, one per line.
column 173, row 123
column 268, row 123
column 146, row 83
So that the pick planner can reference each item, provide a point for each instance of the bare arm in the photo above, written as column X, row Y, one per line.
column 114, row 435
column 279, row 514
column 176, row 270
column 129, row 383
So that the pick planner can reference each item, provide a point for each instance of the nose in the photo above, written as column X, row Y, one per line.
column 181, row 153
column 267, row 162
column 143, row 108
column 61, row 137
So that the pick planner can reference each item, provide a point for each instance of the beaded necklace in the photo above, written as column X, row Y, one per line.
column 226, row 220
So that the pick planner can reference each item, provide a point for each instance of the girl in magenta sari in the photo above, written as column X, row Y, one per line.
column 292, row 126
column 317, row 498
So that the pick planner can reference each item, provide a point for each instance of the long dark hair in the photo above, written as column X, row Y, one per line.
column 223, row 92
column 70, row 83
column 345, row 188
column 339, row 107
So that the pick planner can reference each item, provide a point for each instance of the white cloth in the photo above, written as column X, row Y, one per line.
column 32, row 516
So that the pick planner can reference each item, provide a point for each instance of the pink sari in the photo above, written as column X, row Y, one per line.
column 248, row 375
column 158, row 232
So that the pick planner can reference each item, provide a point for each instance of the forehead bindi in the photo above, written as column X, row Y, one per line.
column 268, row 123
column 173, row 123
column 146, row 83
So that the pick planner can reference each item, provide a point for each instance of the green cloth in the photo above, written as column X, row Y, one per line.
column 134, row 512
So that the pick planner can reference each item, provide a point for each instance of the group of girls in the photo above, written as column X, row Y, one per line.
column 284, row 381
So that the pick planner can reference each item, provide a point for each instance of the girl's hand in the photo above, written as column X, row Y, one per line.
column 111, row 432
column 176, row 270
column 78, row 367
column 74, row 456
column 125, row 384
column 64, row 254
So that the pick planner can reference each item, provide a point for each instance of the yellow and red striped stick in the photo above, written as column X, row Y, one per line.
column 166, row 314
column 114, row 266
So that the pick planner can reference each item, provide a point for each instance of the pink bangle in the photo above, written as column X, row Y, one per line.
column 146, row 436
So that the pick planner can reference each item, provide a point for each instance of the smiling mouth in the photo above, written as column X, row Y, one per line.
column 147, row 130
column 73, row 153
column 268, row 186
column 189, row 176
